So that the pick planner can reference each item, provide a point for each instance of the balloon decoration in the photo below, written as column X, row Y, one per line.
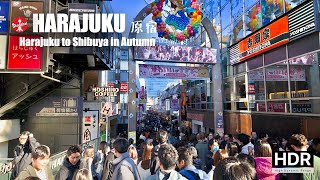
column 268, row 11
column 184, row 21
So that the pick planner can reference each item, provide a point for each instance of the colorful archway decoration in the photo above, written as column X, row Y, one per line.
column 183, row 20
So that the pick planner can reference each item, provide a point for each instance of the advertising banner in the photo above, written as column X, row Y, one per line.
column 90, row 126
column 22, row 15
column 4, row 15
column 183, row 54
column 302, row 21
column 265, row 39
column 279, row 74
column 24, row 57
column 3, row 51
column 173, row 72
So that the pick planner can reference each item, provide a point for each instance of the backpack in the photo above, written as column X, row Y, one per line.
column 190, row 174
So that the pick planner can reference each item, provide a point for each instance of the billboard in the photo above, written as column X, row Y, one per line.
column 182, row 54
column 22, row 15
column 24, row 57
column 263, row 40
column 279, row 74
column 4, row 15
column 173, row 72
column 3, row 51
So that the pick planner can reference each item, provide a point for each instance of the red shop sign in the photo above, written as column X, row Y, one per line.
column 123, row 87
column 24, row 57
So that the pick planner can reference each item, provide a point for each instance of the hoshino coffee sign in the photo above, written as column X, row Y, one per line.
column 86, row 22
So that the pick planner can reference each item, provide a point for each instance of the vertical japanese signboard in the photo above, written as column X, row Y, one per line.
column 22, row 15
column 3, row 51
column 4, row 14
column 24, row 57
column 90, row 128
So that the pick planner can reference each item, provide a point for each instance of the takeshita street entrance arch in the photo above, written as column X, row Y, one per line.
column 216, row 90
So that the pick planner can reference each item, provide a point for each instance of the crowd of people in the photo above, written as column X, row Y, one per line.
column 154, row 156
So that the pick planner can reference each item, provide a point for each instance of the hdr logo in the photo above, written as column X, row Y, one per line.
column 292, row 162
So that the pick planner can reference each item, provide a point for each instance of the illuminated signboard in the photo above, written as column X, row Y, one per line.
column 105, row 91
column 23, row 57
column 270, row 37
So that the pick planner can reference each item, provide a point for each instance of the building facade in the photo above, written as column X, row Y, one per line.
column 271, row 77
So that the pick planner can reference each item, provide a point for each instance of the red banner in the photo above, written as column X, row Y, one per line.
column 24, row 57
column 123, row 87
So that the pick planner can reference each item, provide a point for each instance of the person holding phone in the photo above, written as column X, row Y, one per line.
column 22, row 153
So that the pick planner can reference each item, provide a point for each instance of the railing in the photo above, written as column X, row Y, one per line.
column 56, row 160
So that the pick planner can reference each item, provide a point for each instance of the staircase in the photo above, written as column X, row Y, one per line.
column 14, row 108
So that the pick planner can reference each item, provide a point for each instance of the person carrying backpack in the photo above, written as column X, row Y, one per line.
column 187, row 169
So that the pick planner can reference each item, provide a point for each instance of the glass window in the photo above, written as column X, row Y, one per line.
column 236, row 7
column 237, row 30
column 239, row 68
column 271, row 10
column 278, row 106
column 301, row 70
column 240, row 88
column 253, row 19
column 256, row 62
column 256, row 85
column 226, row 37
column 291, row 4
column 228, row 89
column 226, row 16
column 303, row 45
column 277, row 81
column 259, row 106
column 306, row 106
column 249, row 3
column 275, row 55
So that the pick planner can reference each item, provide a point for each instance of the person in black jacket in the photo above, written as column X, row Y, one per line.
column 70, row 164
column 162, row 138
column 22, row 153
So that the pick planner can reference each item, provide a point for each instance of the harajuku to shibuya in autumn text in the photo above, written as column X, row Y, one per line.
column 160, row 90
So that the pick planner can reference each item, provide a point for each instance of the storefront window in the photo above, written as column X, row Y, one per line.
column 277, row 81
column 228, row 89
column 306, row 106
column 271, row 10
column 278, row 106
column 256, row 85
column 301, row 70
column 241, row 93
